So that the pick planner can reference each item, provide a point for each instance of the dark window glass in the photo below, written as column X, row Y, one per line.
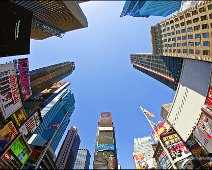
column 197, row 43
column 181, row 17
column 188, row 15
column 172, row 27
column 189, row 29
column 210, row 16
column 190, row 36
column 178, row 32
column 188, row 22
column 184, row 44
column 197, row 35
column 204, row 26
column 184, row 50
column 178, row 38
column 190, row 44
column 203, row 17
column 196, row 27
column 183, row 30
column 178, row 44
column 206, row 43
column 173, row 33
column 183, row 37
column 195, row 20
column 210, row 7
column 178, row 50
column 203, row 9
column 197, row 51
column 191, row 51
column 194, row 12
column 205, row 35
column 205, row 52
column 182, row 24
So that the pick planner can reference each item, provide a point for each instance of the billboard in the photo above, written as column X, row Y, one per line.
column 15, row 31
column 10, row 100
column 31, row 124
column 17, row 154
column 103, row 147
column 208, row 100
column 24, row 79
column 19, row 117
column 105, row 119
column 194, row 147
column 163, row 161
column 7, row 134
column 162, row 128
column 203, row 131
column 105, row 137
column 139, row 160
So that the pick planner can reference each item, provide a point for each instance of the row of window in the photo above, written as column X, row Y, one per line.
column 184, row 44
column 190, row 51
column 195, row 12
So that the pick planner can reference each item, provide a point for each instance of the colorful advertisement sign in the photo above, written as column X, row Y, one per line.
column 30, row 125
column 17, row 154
column 19, row 117
column 103, row 147
column 24, row 78
column 208, row 100
column 10, row 100
column 164, row 161
column 194, row 147
column 7, row 134
column 14, row 31
column 162, row 128
column 105, row 137
column 105, row 119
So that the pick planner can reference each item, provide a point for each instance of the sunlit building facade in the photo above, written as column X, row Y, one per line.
column 83, row 159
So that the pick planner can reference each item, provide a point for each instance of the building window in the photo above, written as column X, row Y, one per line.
column 196, row 28
column 210, row 7
column 174, row 50
column 182, row 24
column 164, row 35
column 170, row 50
column 188, row 22
column 204, row 26
column 203, row 9
column 181, row 17
column 178, row 44
column 172, row 27
column 189, row 29
column 203, row 18
column 210, row 16
column 188, row 15
column 197, row 43
column 176, row 19
column 195, row 20
column 178, row 38
column 169, row 34
column 184, row 44
column 197, row 51
column 178, row 50
column 172, row 21
column 178, row 32
column 205, row 52
column 165, row 40
column 174, row 39
column 191, row 44
column 197, row 35
column 206, row 43
column 166, row 51
column 183, row 37
column 177, row 25
column 183, row 30
column 184, row 50
column 164, row 30
column 194, row 12
column 174, row 45
column 190, row 36
column 169, row 39
column 173, row 33
column 205, row 35
column 191, row 51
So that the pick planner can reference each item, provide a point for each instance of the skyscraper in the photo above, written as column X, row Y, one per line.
column 68, row 151
column 105, row 155
column 165, row 69
column 53, row 113
column 45, row 77
column 187, row 34
column 138, row 8
column 53, row 18
column 143, row 153
column 83, row 159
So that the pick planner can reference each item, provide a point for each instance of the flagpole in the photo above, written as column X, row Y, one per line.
column 161, row 143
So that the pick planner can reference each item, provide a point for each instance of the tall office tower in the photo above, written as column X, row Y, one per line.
column 143, row 153
column 58, row 111
column 83, row 159
column 138, row 8
column 45, row 77
column 68, row 151
column 53, row 18
column 165, row 69
column 187, row 34
column 105, row 155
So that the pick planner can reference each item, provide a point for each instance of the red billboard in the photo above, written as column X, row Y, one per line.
column 208, row 100
column 10, row 100
column 24, row 79
column 105, row 119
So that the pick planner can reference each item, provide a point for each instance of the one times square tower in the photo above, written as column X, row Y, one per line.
column 105, row 156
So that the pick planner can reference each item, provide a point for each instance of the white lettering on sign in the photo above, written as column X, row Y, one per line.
column 17, row 25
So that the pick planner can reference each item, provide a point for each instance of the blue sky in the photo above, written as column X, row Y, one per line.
column 104, row 79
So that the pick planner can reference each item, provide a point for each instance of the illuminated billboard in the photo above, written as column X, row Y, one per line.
column 15, row 29
column 19, row 117
column 105, row 119
column 7, row 134
column 10, row 100
column 31, row 124
column 105, row 137
column 162, row 128
column 139, row 160
column 24, row 79
column 18, row 153
column 104, row 147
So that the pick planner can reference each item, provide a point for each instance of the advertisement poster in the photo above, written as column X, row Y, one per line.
column 164, row 161
column 208, row 100
column 161, row 129
column 205, row 124
column 10, row 100
column 105, row 137
column 194, row 147
column 103, row 147
column 19, row 117
column 24, row 78
column 18, row 153
column 139, row 160
column 105, row 119
column 7, row 134
column 31, row 124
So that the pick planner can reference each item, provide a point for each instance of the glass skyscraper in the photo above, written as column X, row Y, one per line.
column 165, row 69
column 83, row 159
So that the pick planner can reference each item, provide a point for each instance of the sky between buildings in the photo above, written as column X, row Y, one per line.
column 104, row 80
